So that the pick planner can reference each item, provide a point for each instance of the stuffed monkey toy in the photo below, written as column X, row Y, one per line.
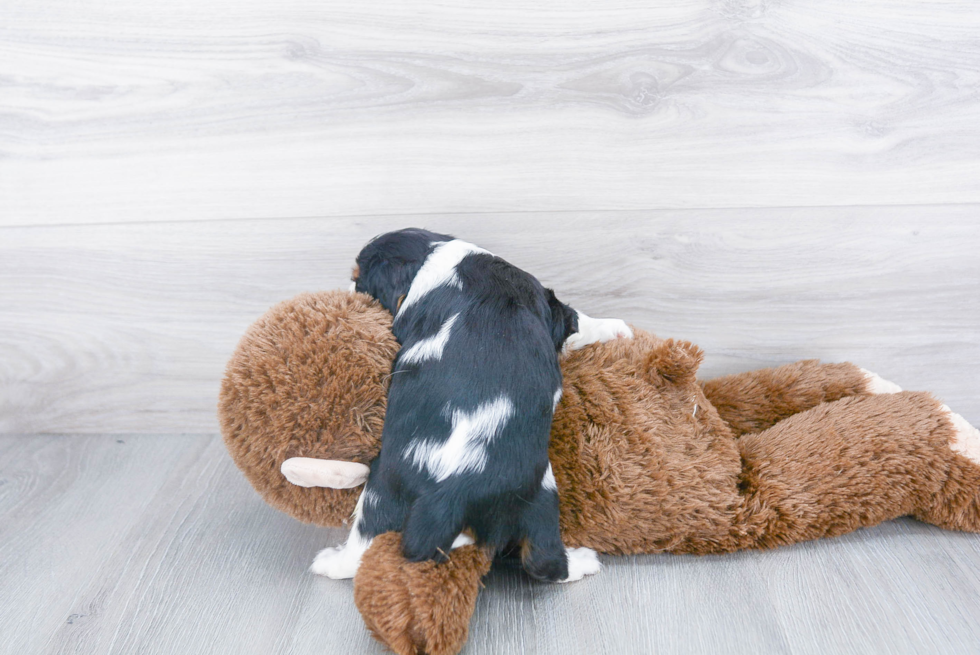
column 647, row 459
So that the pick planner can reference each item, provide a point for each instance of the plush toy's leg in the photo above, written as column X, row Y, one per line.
column 421, row 607
column 757, row 400
column 967, row 440
column 854, row 463
column 596, row 330
column 957, row 506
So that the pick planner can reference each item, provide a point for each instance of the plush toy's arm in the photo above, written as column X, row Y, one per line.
column 757, row 400
column 418, row 607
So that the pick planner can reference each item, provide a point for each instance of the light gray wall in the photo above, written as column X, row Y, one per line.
column 774, row 181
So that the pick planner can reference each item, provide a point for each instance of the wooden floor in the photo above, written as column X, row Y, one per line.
column 155, row 544
column 772, row 180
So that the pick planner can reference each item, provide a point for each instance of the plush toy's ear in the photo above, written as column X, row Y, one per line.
column 675, row 361
column 329, row 473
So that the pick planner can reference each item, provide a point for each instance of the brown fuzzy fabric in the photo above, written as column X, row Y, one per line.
column 308, row 379
column 646, row 458
column 638, row 469
column 757, row 401
column 417, row 608
column 841, row 466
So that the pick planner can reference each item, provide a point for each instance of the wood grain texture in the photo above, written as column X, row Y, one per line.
column 127, row 328
column 154, row 545
column 123, row 111
column 157, row 545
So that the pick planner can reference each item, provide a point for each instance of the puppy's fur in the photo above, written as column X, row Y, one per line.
column 470, row 403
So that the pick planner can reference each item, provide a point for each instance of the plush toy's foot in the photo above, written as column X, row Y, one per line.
column 419, row 607
column 596, row 330
column 967, row 439
column 966, row 442
column 581, row 562
column 878, row 385
column 957, row 504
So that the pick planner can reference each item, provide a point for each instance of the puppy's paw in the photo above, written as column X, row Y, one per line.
column 878, row 385
column 613, row 328
column 337, row 562
column 581, row 562
column 462, row 539
column 597, row 330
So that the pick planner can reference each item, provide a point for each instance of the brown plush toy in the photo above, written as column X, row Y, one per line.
column 646, row 458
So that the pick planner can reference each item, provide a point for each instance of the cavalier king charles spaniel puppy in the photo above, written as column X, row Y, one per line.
column 464, row 454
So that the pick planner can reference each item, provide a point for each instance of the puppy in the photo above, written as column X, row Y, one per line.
column 470, row 404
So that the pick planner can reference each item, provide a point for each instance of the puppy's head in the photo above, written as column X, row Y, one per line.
column 387, row 265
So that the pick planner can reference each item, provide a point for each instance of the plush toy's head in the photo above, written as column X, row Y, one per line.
column 309, row 379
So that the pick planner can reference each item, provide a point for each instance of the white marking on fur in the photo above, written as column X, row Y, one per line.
column 966, row 442
column 430, row 347
column 556, row 400
column 695, row 412
column 596, row 330
column 342, row 562
column 352, row 288
column 548, row 481
column 462, row 539
column 581, row 562
column 439, row 269
column 466, row 447
column 878, row 385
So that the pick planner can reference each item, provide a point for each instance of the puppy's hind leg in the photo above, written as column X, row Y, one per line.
column 376, row 512
column 433, row 527
column 341, row 562
column 542, row 552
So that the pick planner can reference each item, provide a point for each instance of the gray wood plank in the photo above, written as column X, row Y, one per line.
column 143, row 111
column 157, row 545
column 903, row 587
column 126, row 328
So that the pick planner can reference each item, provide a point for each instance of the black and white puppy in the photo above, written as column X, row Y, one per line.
column 470, row 404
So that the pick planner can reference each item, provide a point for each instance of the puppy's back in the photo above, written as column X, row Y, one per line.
column 480, row 358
